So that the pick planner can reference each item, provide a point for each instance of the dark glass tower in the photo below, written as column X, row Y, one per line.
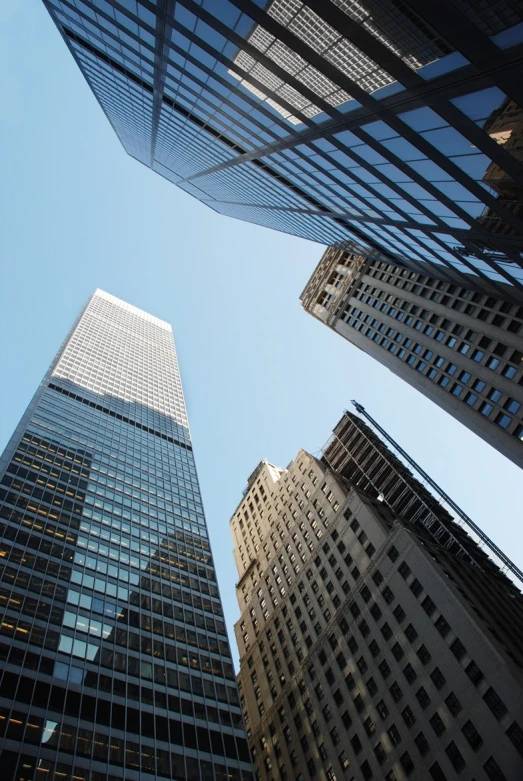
column 461, row 348
column 115, row 658
column 394, row 124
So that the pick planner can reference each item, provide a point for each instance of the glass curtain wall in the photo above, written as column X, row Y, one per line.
column 115, row 657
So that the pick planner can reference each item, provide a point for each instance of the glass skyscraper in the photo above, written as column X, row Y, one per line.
column 394, row 124
column 115, row 658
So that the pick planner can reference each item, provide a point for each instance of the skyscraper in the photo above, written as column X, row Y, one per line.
column 341, row 120
column 377, row 639
column 461, row 348
column 115, row 658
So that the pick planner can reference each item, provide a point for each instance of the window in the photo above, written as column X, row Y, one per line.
column 512, row 406
column 485, row 408
column 335, row 735
column 423, row 654
column 368, row 724
column 411, row 633
column 388, row 595
column 407, row 763
column 393, row 553
column 344, row 762
column 455, row 756
column 374, row 649
column 409, row 673
column 437, row 678
column 423, row 698
column 365, row 593
column 422, row 743
column 458, row 649
column 493, row 770
column 384, row 669
column 346, row 719
column 399, row 614
column 442, row 626
column 404, row 570
column 352, row 644
column 473, row 737
column 394, row 735
column 416, row 587
column 474, row 673
column 453, row 704
column 437, row 724
column 386, row 631
column 395, row 692
column 502, row 420
column 436, row 773
column 382, row 709
column 515, row 735
column 366, row 770
column 356, row 744
column 372, row 686
column 408, row 716
column 380, row 753
column 428, row 606
column 494, row 703
column 397, row 651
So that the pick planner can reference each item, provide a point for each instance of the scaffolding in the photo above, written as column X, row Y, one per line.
column 368, row 456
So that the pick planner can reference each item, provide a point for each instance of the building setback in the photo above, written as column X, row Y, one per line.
column 458, row 346
column 377, row 639
column 115, row 658
column 395, row 125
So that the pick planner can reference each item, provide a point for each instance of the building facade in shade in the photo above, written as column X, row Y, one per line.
column 377, row 639
column 461, row 348
column 396, row 125
column 115, row 658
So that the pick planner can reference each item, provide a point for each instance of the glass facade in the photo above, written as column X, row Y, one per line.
column 394, row 124
column 115, row 658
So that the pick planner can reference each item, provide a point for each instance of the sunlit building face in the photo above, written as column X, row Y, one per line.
column 115, row 658
column 396, row 125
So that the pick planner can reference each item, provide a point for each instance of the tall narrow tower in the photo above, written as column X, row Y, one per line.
column 114, row 655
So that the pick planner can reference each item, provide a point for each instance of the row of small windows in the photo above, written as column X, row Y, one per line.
column 469, row 731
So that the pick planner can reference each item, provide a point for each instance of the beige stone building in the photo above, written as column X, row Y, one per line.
column 374, row 643
column 460, row 347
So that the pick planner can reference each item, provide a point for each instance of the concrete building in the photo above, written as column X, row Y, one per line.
column 458, row 346
column 115, row 662
column 377, row 639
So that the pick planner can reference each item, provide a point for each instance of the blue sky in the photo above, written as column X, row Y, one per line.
column 261, row 378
